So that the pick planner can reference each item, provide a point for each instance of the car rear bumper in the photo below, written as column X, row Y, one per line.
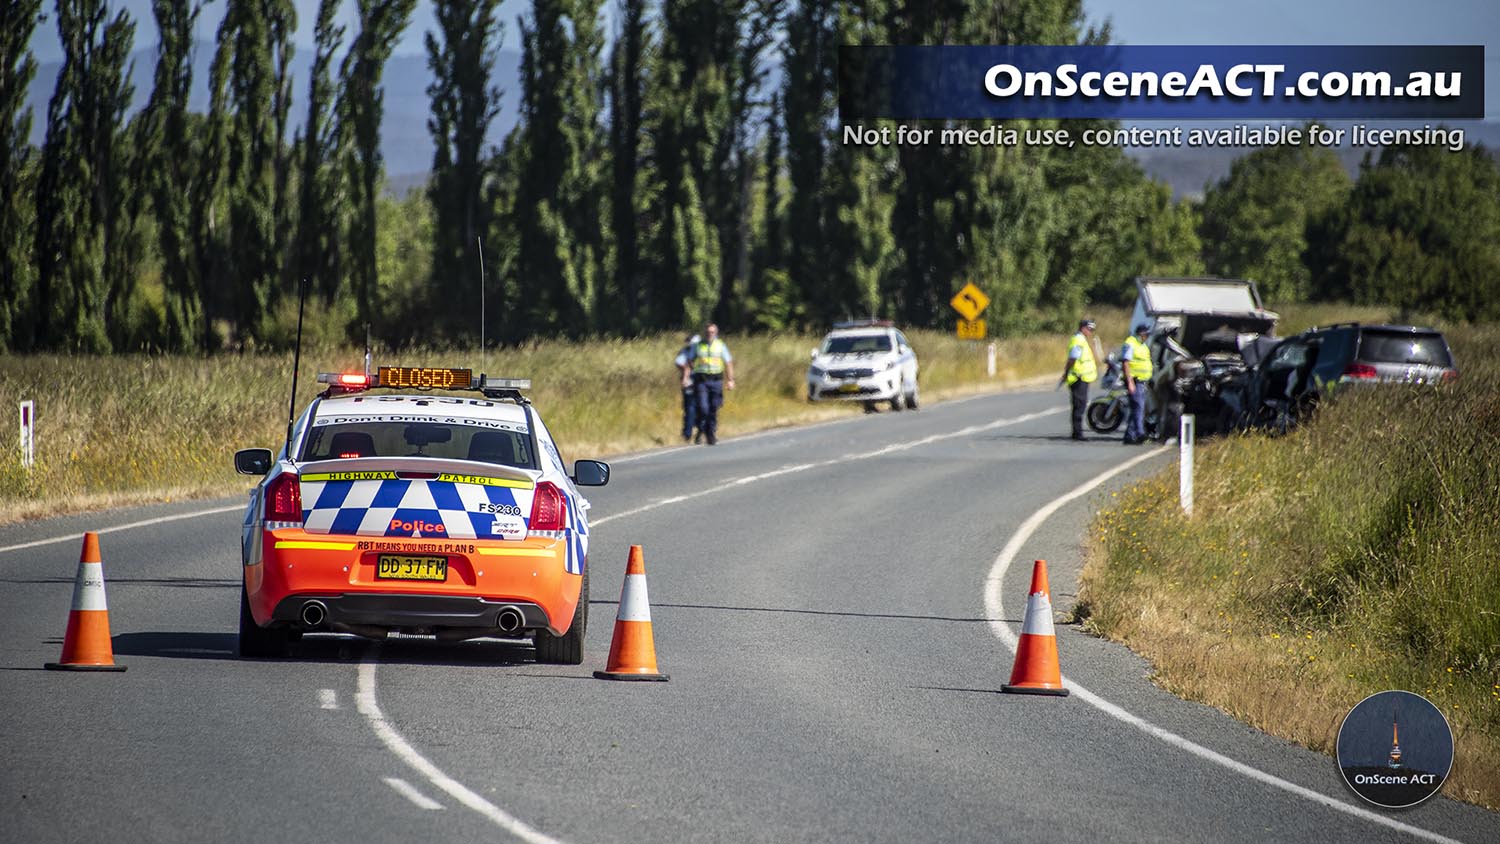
column 483, row 579
column 395, row 611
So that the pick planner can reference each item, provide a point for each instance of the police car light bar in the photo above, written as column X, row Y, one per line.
column 487, row 382
column 423, row 378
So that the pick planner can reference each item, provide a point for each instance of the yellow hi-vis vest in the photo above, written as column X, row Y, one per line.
column 1083, row 368
column 1140, row 358
column 708, row 358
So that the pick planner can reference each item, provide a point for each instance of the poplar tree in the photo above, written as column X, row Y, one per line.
column 809, row 62
column 251, row 68
column 317, row 250
column 464, row 104
column 18, row 20
column 360, row 108
column 170, row 159
column 560, row 215
column 80, row 284
column 626, row 91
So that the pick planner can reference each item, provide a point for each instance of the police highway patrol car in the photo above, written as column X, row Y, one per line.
column 866, row 360
column 449, row 515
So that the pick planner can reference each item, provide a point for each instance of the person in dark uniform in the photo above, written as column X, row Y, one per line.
column 711, row 373
column 1080, row 371
column 689, row 396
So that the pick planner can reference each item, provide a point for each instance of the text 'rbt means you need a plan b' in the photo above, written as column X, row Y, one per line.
column 1241, row 135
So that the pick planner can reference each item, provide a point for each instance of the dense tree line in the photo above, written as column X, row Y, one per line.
column 686, row 165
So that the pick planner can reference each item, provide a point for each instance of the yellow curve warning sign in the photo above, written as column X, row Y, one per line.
column 970, row 302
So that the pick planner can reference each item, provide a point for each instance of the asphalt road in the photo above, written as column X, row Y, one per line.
column 819, row 600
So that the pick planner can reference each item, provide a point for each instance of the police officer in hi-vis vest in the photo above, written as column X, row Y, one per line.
column 712, row 371
column 1079, row 372
column 1135, row 358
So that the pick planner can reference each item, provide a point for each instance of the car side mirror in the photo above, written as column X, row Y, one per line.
column 813, row 353
column 590, row 473
column 252, row 461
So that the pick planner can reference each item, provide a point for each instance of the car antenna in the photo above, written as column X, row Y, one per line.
column 367, row 353
column 296, row 362
column 479, row 242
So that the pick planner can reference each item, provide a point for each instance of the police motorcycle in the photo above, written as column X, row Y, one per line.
column 1106, row 412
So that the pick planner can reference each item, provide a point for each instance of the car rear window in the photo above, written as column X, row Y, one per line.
column 1427, row 349
column 857, row 345
column 406, row 438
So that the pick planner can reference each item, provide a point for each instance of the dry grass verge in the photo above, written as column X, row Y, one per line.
column 1356, row 554
column 129, row 429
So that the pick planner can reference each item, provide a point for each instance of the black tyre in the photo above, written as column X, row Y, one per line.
column 896, row 403
column 870, row 407
column 1104, row 415
column 258, row 642
column 567, row 649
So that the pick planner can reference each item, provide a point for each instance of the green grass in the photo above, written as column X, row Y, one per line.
column 135, row 428
column 1356, row 554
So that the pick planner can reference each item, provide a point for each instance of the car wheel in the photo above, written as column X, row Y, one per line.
column 870, row 407
column 911, row 397
column 567, row 649
column 896, row 403
column 812, row 393
column 256, row 641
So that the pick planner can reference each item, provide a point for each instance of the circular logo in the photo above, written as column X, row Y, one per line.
column 1395, row 749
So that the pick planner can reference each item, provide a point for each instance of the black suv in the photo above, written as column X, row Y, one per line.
column 1301, row 369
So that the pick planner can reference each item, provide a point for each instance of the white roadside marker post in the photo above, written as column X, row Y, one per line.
column 28, row 433
column 1185, row 437
column 991, row 355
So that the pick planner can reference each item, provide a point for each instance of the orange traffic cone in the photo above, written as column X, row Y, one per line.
column 86, row 646
column 632, row 653
column 1036, row 671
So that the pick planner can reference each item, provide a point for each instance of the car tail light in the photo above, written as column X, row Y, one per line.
column 1450, row 375
column 284, row 499
column 546, row 508
column 1361, row 371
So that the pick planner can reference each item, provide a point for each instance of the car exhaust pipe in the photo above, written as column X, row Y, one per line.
column 314, row 614
column 510, row 620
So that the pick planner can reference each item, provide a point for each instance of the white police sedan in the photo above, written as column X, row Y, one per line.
column 867, row 361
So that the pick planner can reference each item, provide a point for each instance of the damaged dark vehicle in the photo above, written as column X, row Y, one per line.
column 1206, row 336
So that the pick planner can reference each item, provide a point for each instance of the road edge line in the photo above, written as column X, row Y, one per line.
column 369, row 707
column 130, row 526
column 995, row 615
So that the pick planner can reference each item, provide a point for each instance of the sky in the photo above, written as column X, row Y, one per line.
column 1134, row 21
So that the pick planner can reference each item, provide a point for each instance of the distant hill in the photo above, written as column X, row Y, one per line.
column 405, row 141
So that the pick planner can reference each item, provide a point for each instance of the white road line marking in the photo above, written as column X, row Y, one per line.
column 1025, row 387
column 369, row 705
column 147, row 523
column 803, row 467
column 370, row 708
column 995, row 609
column 328, row 699
column 405, row 789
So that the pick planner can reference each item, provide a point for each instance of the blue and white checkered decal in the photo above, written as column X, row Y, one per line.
column 389, row 506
